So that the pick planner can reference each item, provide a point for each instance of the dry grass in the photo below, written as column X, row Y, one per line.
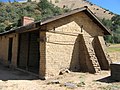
column 73, row 4
column 114, row 48
column 114, row 52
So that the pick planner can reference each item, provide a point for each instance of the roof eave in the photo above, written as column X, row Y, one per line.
column 106, row 30
column 63, row 15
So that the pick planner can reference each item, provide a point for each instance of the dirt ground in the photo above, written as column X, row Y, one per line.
column 17, row 80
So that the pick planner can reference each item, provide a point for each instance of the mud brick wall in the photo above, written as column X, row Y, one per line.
column 4, row 50
column 4, row 44
column 115, row 71
column 91, row 60
column 100, row 51
column 42, row 46
column 103, row 45
column 63, row 42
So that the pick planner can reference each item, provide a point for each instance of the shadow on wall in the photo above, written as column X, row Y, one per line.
column 75, row 63
column 80, row 58
column 102, row 59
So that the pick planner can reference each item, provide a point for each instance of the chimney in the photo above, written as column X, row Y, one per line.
column 27, row 20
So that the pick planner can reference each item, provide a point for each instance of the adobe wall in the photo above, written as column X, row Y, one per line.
column 42, row 46
column 63, row 42
column 4, row 44
column 100, row 50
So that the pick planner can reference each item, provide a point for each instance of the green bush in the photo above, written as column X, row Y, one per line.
column 114, row 25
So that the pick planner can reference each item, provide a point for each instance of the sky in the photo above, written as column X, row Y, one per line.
column 112, row 5
column 11, row 0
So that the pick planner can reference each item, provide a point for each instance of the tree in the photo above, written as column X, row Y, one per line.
column 2, row 27
column 116, row 28
column 48, row 9
column 114, row 25
column 29, row 0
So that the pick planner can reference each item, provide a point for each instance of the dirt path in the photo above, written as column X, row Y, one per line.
column 16, row 80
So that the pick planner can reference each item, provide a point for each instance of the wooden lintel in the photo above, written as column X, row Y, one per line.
column 26, row 29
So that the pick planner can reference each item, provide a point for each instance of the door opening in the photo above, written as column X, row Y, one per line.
column 10, row 50
column 28, row 58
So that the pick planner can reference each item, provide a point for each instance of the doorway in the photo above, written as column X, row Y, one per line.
column 10, row 50
column 29, row 51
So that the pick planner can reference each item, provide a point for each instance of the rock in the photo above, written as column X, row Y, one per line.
column 70, row 85
column 64, row 71
column 54, row 82
column 81, row 84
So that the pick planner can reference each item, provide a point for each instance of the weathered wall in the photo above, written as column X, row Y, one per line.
column 88, row 59
column 59, row 52
column 4, row 49
column 15, row 50
column 100, row 50
column 62, row 44
column 4, row 44
column 42, row 62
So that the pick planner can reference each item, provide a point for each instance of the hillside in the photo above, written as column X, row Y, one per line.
column 11, row 13
column 72, row 4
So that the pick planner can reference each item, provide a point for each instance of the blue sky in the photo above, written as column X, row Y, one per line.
column 11, row 0
column 112, row 5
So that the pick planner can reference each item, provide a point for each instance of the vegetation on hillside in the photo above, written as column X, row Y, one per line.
column 114, row 25
column 11, row 13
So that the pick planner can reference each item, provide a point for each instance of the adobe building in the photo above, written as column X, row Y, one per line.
column 73, row 41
